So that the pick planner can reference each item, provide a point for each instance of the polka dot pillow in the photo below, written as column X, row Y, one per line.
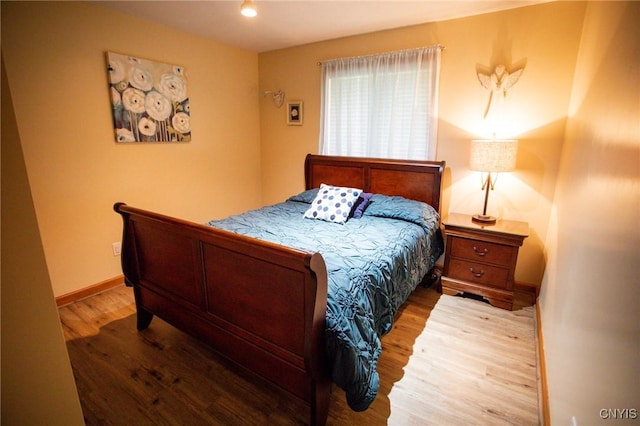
column 333, row 203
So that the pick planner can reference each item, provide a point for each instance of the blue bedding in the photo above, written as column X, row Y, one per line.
column 373, row 265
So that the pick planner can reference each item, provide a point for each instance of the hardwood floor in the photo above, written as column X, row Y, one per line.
column 448, row 361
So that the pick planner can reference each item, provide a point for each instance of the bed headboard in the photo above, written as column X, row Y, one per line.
column 416, row 180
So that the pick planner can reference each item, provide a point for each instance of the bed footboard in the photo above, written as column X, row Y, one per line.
column 258, row 304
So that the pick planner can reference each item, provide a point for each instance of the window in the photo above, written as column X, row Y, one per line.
column 383, row 106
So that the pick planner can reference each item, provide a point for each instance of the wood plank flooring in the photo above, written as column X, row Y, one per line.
column 448, row 361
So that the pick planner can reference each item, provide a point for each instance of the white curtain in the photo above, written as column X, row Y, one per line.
column 383, row 106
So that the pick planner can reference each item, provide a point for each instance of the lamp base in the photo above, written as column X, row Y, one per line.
column 483, row 219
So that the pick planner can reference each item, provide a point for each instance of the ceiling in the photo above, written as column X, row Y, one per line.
column 282, row 24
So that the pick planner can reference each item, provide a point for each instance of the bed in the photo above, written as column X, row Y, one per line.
column 275, row 293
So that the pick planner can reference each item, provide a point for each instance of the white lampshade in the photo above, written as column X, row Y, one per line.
column 247, row 8
column 493, row 155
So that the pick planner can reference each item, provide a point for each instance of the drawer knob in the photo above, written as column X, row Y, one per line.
column 476, row 274
column 479, row 252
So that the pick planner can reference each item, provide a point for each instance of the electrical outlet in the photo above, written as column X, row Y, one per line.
column 117, row 248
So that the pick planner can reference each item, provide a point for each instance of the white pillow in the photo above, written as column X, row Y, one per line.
column 333, row 203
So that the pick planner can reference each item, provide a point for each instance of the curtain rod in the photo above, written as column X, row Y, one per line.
column 441, row 47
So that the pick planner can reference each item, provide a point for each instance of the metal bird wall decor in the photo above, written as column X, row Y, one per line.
column 498, row 83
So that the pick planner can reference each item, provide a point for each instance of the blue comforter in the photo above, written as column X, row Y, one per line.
column 373, row 265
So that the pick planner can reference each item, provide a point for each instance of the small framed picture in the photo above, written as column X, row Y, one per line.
column 294, row 113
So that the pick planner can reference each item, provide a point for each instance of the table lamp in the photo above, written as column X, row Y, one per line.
column 492, row 156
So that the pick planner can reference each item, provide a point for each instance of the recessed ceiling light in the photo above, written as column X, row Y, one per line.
column 247, row 8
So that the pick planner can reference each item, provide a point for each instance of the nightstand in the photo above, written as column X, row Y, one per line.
column 481, row 259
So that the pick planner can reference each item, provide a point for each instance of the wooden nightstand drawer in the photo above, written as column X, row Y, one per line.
column 482, row 251
column 479, row 273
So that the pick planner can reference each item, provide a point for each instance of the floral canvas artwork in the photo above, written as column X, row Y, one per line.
column 149, row 99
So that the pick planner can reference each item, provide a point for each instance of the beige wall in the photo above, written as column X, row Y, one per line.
column 55, row 59
column 590, row 293
column 77, row 172
column 37, row 382
column 543, row 38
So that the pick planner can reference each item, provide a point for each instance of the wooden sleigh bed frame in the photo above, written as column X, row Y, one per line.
column 259, row 304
